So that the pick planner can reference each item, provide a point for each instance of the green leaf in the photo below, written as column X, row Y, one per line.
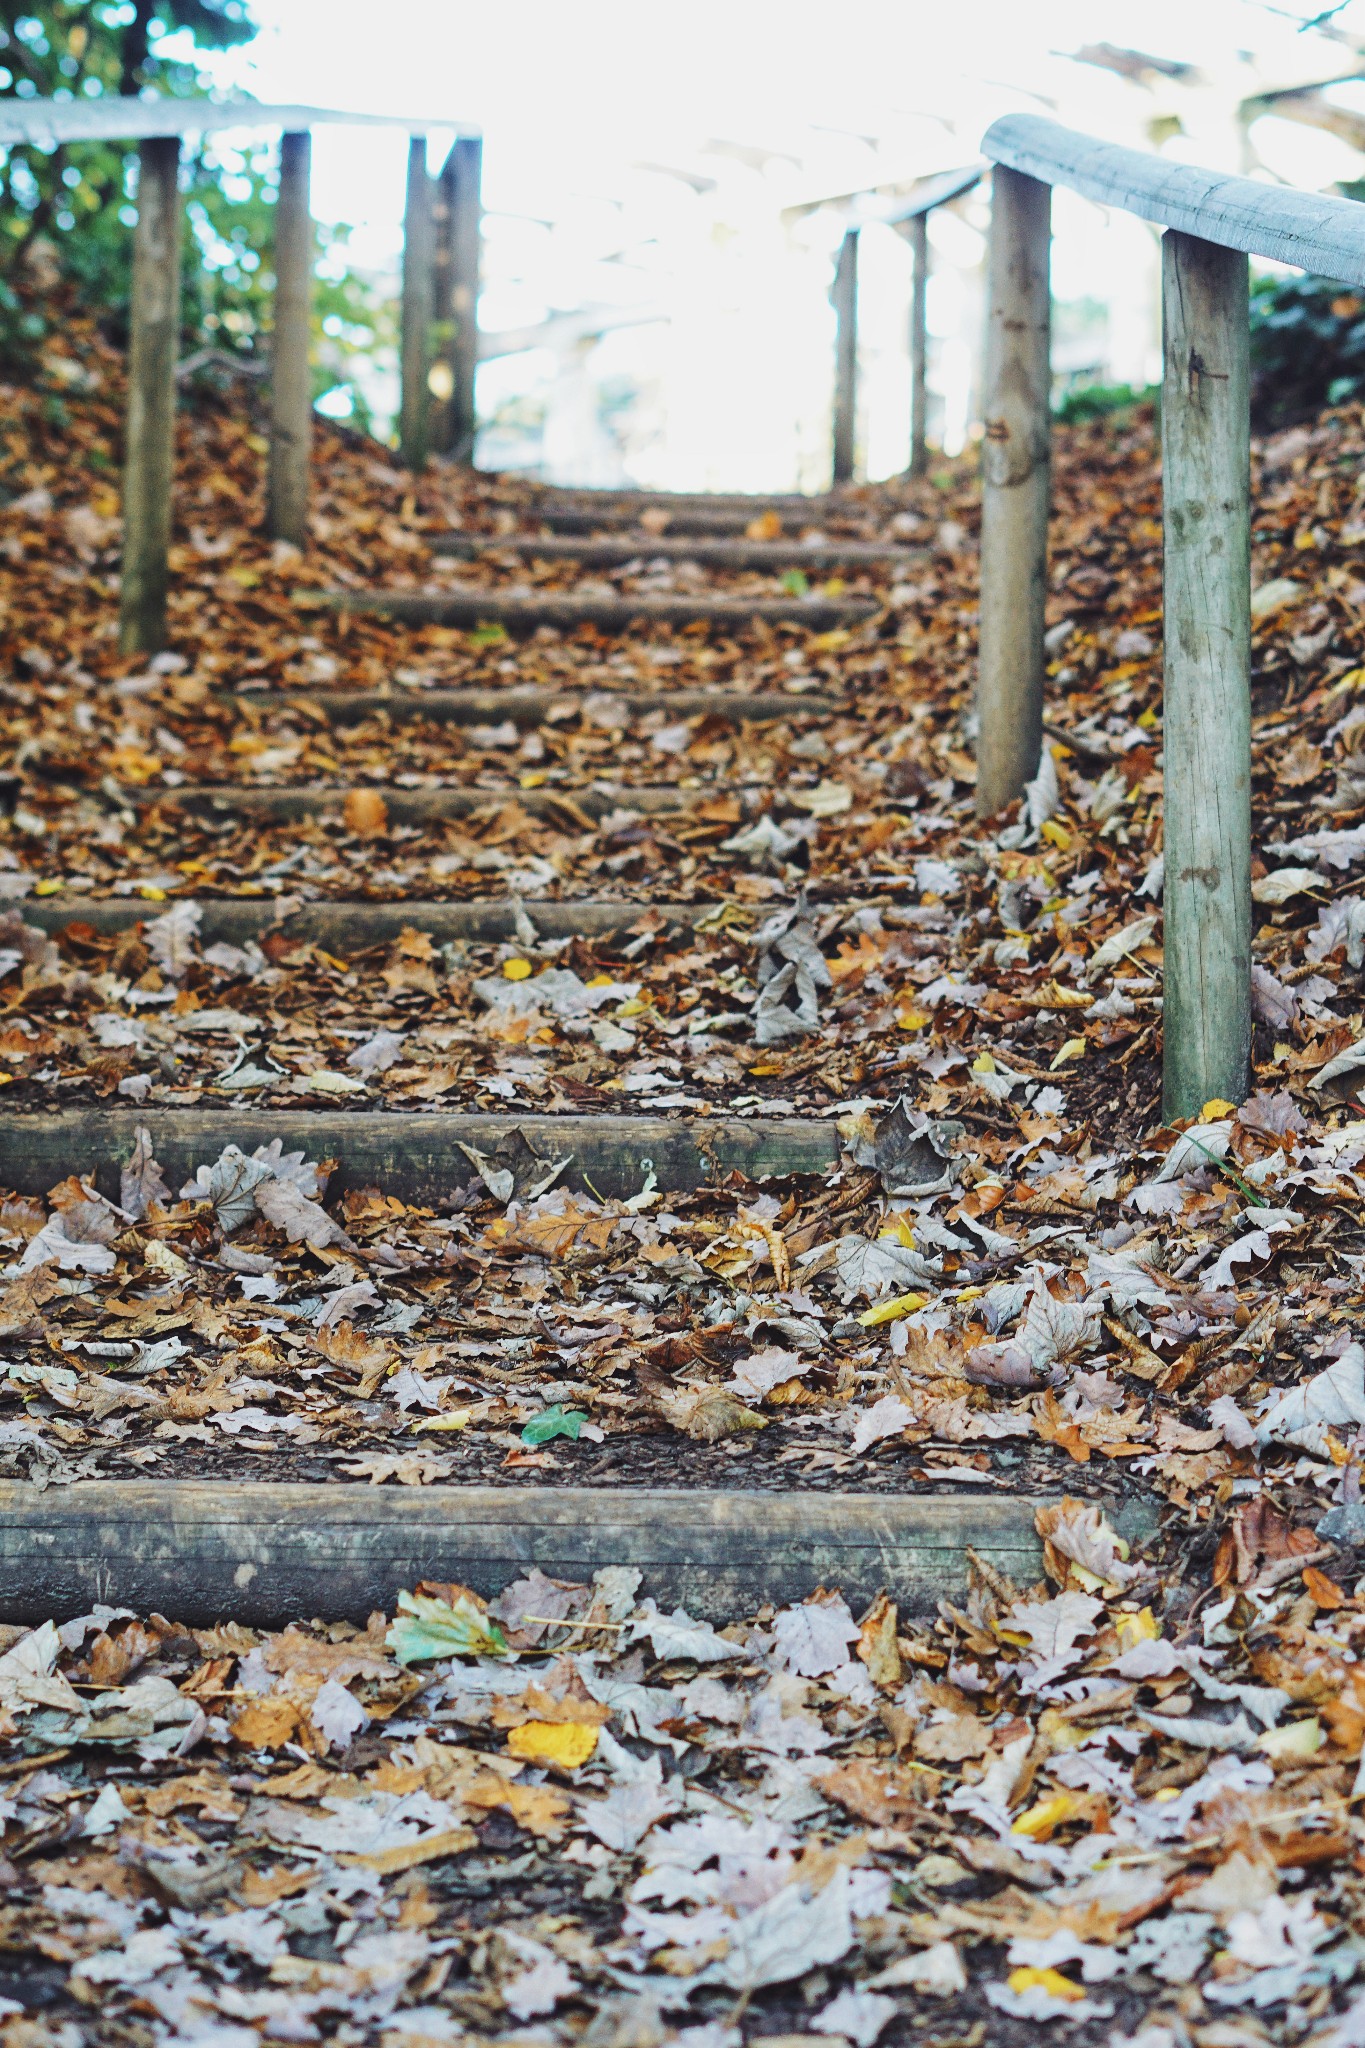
column 487, row 634
column 794, row 583
column 428, row 1628
column 552, row 1422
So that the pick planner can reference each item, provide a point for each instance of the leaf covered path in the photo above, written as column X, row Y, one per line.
column 1123, row 1794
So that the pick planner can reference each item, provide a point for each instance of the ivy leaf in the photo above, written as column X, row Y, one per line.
column 552, row 1422
column 427, row 1628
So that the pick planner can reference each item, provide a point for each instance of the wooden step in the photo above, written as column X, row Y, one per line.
column 594, row 519
column 752, row 503
column 590, row 552
column 532, row 705
column 572, row 807
column 566, row 612
column 416, row 1156
column 347, row 928
column 265, row 1553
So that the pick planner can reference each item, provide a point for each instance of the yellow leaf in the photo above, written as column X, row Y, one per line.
column 566, row 1743
column 1074, row 1049
column 5, row 1079
column 891, row 1311
column 599, row 981
column 984, row 1063
column 48, row 888
column 1040, row 1820
column 829, row 643
column 1052, row 1981
column 911, row 1020
column 458, row 1418
column 1148, row 721
column 1056, row 835
column 150, row 893
column 258, row 444
column 632, row 1008
column 898, row 1228
column 1293, row 1743
column 1215, row 1108
column 532, row 778
column 516, row 970
column 1137, row 1628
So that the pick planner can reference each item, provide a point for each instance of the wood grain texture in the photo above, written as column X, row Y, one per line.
column 269, row 1553
column 456, row 266
column 416, row 1156
column 594, row 552
column 1308, row 229
column 149, row 450
column 531, row 705
column 291, row 390
column 611, row 614
column 1206, row 483
column 1015, row 469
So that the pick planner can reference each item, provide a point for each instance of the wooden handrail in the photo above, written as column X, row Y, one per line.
column 1311, row 230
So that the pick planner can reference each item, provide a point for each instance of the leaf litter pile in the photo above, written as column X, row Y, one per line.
column 1122, row 1797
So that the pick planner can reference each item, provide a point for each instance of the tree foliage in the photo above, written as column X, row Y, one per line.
column 66, row 214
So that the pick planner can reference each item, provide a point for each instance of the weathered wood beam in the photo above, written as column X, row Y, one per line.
column 1206, row 484
column 415, row 336
column 717, row 522
column 532, row 705
column 590, row 552
column 149, row 451
column 291, row 389
column 565, row 807
column 416, row 1156
column 1014, row 505
column 462, row 310
column 752, row 503
column 845, row 301
column 268, row 1553
column 349, row 928
column 612, row 614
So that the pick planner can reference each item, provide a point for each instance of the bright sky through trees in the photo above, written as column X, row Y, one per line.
column 639, row 158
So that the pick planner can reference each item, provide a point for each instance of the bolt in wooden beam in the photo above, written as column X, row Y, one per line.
column 1014, row 504
column 1206, row 469
column 414, row 349
column 291, row 391
column 149, row 451
column 845, row 299
column 919, row 346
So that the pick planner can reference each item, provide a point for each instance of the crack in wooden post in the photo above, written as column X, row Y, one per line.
column 1015, row 469
column 149, row 451
column 1206, row 482
column 291, row 393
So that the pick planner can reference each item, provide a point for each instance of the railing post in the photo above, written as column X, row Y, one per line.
column 465, row 238
column 1015, row 479
column 149, row 448
column 919, row 345
column 417, row 309
column 1206, row 472
column 845, row 297
column 291, row 390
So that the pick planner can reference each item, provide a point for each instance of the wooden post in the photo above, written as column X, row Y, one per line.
column 457, row 297
column 919, row 346
column 416, row 317
column 291, row 391
column 845, row 297
column 1014, row 505
column 1206, row 465
column 149, row 451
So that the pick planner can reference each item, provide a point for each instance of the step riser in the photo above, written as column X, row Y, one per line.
column 611, row 615
column 423, row 806
column 530, row 708
column 773, row 555
column 266, row 1554
column 347, row 928
column 416, row 1156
